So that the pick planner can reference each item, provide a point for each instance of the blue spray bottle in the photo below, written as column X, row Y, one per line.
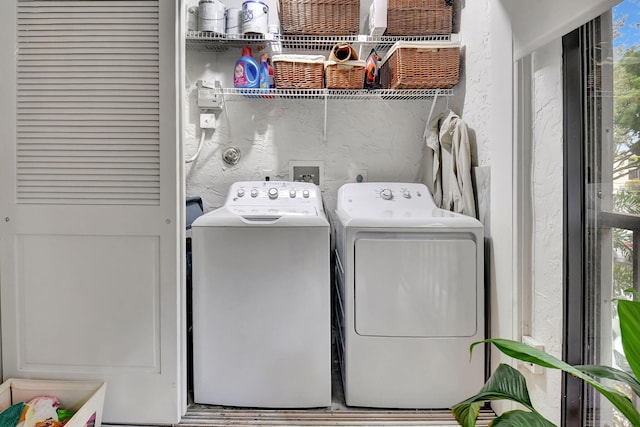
column 266, row 72
column 246, row 71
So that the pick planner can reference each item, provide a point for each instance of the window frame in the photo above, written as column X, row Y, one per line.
column 586, row 223
column 573, row 225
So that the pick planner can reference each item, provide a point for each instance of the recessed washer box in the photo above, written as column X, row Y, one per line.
column 307, row 171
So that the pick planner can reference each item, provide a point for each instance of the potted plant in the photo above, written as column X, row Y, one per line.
column 507, row 383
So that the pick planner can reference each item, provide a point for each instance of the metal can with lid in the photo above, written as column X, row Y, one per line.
column 211, row 16
column 191, row 15
column 234, row 22
column 255, row 17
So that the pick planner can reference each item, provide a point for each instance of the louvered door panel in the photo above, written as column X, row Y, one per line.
column 88, row 102
column 89, row 200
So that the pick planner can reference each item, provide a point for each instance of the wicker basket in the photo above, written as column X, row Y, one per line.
column 418, row 17
column 414, row 65
column 320, row 17
column 298, row 71
column 344, row 75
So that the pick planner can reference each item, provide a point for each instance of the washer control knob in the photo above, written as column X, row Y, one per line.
column 386, row 194
column 305, row 194
column 292, row 193
column 254, row 193
column 240, row 192
column 406, row 194
column 273, row 193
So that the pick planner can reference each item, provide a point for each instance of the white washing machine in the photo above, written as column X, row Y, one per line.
column 410, row 294
column 261, row 298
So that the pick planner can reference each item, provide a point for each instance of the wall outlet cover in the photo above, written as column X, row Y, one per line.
column 358, row 175
column 535, row 369
column 207, row 121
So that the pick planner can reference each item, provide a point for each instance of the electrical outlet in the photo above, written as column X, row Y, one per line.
column 535, row 369
column 307, row 171
column 207, row 121
column 358, row 175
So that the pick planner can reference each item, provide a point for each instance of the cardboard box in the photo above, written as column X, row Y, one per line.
column 84, row 397
column 375, row 23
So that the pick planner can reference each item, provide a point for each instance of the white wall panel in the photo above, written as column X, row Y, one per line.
column 536, row 23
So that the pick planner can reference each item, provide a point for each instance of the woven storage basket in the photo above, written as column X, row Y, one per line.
column 298, row 71
column 415, row 65
column 344, row 75
column 418, row 17
column 320, row 17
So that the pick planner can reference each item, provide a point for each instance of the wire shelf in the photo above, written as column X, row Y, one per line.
column 325, row 94
column 211, row 42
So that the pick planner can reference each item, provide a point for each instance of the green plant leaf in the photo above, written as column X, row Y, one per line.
column 467, row 414
column 527, row 353
column 612, row 374
column 629, row 312
column 506, row 383
column 521, row 419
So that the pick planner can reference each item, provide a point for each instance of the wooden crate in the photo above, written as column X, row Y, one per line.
column 86, row 398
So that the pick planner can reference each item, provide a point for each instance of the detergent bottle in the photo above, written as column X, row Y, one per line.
column 266, row 72
column 246, row 70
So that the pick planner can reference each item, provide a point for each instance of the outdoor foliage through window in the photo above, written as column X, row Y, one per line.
column 626, row 161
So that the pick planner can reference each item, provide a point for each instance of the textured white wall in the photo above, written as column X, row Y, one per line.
column 547, row 177
column 384, row 137
column 474, row 91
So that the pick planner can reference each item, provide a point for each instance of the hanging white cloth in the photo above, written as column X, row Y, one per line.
column 450, row 176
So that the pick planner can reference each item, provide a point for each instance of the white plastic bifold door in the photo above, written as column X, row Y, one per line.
column 89, row 237
column 415, row 287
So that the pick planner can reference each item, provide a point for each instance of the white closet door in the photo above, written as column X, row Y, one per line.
column 536, row 23
column 88, row 199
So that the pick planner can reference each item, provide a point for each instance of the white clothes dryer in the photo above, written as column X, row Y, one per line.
column 410, row 298
column 261, row 298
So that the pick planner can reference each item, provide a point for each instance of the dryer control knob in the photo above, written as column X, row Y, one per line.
column 254, row 193
column 240, row 192
column 292, row 194
column 386, row 194
column 273, row 193
column 406, row 194
column 305, row 194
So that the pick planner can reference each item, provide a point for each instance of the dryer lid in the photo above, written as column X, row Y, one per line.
column 386, row 204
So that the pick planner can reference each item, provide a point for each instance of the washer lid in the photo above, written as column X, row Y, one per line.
column 259, row 216
column 260, row 203
column 382, row 204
